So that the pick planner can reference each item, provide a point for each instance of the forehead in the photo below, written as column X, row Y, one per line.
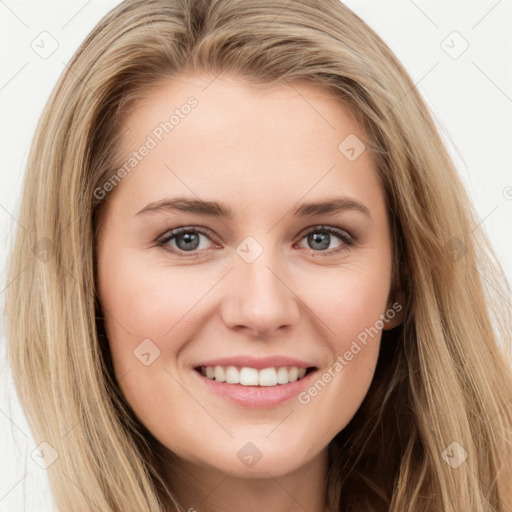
column 225, row 102
column 242, row 141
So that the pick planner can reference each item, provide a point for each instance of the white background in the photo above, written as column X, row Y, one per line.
column 471, row 97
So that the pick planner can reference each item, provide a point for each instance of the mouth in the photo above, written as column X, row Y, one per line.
column 252, row 387
column 247, row 376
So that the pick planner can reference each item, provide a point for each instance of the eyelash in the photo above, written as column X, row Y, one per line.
column 347, row 239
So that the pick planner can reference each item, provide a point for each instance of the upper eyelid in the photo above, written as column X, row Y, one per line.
column 320, row 227
column 185, row 229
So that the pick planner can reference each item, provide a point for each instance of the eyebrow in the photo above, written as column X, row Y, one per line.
column 214, row 209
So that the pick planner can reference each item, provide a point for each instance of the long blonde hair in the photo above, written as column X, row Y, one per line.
column 443, row 383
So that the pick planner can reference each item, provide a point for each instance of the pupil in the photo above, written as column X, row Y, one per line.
column 322, row 238
column 191, row 243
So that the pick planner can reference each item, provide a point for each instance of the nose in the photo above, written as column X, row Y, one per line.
column 260, row 298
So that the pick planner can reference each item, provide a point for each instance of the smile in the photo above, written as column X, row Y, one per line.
column 272, row 391
column 247, row 376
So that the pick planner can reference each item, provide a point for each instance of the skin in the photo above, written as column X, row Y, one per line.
column 261, row 152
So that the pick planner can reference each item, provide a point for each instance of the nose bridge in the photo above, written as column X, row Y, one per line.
column 259, row 297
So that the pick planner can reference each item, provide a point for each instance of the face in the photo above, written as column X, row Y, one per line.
column 247, row 276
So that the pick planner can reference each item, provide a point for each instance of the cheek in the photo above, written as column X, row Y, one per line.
column 347, row 300
column 349, row 304
column 149, row 316
column 147, row 302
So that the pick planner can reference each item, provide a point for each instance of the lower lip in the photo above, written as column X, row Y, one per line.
column 257, row 396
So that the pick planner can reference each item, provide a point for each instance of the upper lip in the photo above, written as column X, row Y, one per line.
column 256, row 362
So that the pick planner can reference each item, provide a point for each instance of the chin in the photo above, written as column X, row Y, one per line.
column 256, row 457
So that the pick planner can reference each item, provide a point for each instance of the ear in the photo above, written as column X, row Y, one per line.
column 395, row 313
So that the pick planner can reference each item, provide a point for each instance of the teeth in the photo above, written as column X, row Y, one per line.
column 218, row 374
column 249, row 376
column 232, row 375
column 283, row 375
column 253, row 377
column 267, row 377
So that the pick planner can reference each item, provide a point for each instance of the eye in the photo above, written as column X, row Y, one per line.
column 320, row 237
column 186, row 240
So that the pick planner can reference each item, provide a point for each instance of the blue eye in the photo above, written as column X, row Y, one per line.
column 320, row 238
column 188, row 240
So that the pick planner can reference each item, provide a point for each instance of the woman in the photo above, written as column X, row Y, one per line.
column 260, row 369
